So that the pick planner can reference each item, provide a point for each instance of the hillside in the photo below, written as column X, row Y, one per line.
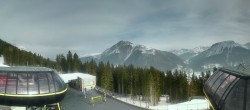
column 14, row 56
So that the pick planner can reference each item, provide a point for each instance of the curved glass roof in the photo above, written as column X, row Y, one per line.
column 30, row 81
column 228, row 89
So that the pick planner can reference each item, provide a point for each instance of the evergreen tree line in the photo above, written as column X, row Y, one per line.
column 14, row 56
column 146, row 84
column 69, row 63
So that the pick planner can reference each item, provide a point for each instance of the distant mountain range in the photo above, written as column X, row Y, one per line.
column 187, row 54
column 227, row 53
column 126, row 53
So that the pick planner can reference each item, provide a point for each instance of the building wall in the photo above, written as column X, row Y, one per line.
column 82, row 84
column 88, row 84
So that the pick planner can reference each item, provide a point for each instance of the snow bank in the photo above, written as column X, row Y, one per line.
column 2, row 62
column 195, row 104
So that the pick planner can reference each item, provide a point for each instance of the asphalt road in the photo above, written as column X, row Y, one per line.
column 75, row 100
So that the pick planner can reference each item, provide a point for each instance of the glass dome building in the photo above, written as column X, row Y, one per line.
column 228, row 89
column 30, row 86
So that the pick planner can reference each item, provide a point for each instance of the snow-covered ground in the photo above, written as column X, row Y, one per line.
column 2, row 62
column 195, row 104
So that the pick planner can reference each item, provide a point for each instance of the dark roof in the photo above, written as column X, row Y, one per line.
column 240, row 71
column 25, row 69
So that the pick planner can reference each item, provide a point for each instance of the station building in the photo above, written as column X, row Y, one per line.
column 229, row 89
column 79, row 81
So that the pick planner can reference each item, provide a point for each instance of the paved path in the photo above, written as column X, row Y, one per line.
column 75, row 100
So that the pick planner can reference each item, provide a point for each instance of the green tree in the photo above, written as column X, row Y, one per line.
column 192, row 90
column 69, row 62
column 76, row 63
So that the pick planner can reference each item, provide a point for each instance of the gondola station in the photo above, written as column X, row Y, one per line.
column 229, row 89
column 30, row 86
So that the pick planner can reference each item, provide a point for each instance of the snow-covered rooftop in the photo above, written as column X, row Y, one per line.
column 72, row 76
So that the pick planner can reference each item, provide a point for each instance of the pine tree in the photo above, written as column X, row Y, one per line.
column 92, row 67
column 69, row 62
column 192, row 91
column 76, row 63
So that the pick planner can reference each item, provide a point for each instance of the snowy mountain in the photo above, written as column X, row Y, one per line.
column 187, row 54
column 227, row 53
column 86, row 58
column 127, row 53
column 247, row 45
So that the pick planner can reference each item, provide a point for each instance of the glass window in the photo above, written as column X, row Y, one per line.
column 11, row 83
column 210, row 84
column 222, row 88
column 32, row 83
column 22, row 83
column 234, row 100
column 3, row 78
column 214, row 79
column 59, row 84
column 227, row 91
column 209, row 79
column 51, row 82
column 218, row 82
column 43, row 83
column 248, row 95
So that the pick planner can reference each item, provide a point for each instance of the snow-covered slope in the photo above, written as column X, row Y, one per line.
column 187, row 54
column 247, row 45
column 195, row 50
column 218, row 48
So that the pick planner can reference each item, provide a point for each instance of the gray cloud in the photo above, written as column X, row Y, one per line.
column 87, row 26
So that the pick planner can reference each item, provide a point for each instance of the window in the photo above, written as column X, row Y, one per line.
column 222, row 88
column 43, row 83
column 210, row 84
column 32, row 83
column 22, row 83
column 235, row 98
column 218, row 82
column 214, row 79
column 209, row 79
column 51, row 82
column 226, row 92
column 59, row 84
column 11, row 83
column 3, row 78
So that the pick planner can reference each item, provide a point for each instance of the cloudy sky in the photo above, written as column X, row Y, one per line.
column 50, row 27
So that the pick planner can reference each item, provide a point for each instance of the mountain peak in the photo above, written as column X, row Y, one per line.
column 122, row 42
column 247, row 45
column 226, row 44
